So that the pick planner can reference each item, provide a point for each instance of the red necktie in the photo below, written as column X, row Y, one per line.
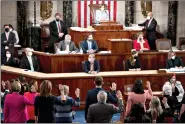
column 59, row 28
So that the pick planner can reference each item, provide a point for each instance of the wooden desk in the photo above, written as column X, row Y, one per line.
column 51, row 63
column 86, row 81
column 120, row 46
column 102, row 36
column 104, row 27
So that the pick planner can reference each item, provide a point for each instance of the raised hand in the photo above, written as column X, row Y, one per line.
column 114, row 86
column 119, row 94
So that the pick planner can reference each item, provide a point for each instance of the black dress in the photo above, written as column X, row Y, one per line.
column 134, row 66
column 44, row 109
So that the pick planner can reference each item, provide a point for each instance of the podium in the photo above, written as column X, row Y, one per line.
column 120, row 46
column 108, row 27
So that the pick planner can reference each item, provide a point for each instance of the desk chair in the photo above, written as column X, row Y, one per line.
column 163, row 44
column 181, row 44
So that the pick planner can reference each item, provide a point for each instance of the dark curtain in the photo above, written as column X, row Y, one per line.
column 67, row 13
column 21, row 21
column 172, row 21
column 129, row 12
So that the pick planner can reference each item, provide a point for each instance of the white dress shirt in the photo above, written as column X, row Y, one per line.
column 150, row 22
column 89, row 45
column 31, row 62
column 67, row 47
column 58, row 24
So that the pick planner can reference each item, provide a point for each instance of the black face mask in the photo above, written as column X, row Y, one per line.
column 6, row 29
column 135, row 57
column 57, row 20
column 140, row 39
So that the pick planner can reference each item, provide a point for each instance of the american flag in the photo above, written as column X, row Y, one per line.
column 84, row 17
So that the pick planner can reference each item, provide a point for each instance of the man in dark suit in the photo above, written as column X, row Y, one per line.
column 7, row 42
column 173, row 61
column 89, row 45
column 30, row 62
column 102, row 112
column 91, row 66
column 150, row 26
column 57, row 31
column 91, row 97
column 67, row 45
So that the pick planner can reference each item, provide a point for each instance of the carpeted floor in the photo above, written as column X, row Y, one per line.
column 79, row 117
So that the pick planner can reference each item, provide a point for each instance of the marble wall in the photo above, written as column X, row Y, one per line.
column 181, row 20
column 9, row 13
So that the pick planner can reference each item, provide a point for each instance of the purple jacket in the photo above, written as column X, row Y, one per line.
column 15, row 108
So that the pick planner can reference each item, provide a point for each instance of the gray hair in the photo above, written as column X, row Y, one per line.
column 102, row 96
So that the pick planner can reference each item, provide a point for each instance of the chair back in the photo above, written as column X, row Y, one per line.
column 181, row 44
column 163, row 44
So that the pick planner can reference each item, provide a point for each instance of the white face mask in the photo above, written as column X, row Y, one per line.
column 29, row 53
column 8, row 55
column 67, row 41
column 173, row 79
column 148, row 17
column 173, row 57
column 90, row 60
column 10, row 29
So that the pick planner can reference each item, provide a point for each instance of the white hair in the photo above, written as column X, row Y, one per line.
column 102, row 96
column 167, row 89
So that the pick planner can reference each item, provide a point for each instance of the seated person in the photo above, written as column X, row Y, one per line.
column 133, row 64
column 173, row 61
column 140, row 43
column 67, row 45
column 102, row 14
column 30, row 62
column 89, row 45
column 9, row 60
column 91, row 66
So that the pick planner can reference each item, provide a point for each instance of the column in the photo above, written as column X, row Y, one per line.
column 67, row 13
column 21, row 21
column 172, row 21
column 129, row 12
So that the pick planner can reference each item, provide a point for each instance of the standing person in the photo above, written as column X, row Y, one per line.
column 33, row 87
column 29, row 61
column 64, row 104
column 7, row 42
column 150, row 26
column 102, row 112
column 92, row 94
column 102, row 14
column 15, row 32
column 15, row 105
column 138, row 95
column 57, row 31
column 44, row 104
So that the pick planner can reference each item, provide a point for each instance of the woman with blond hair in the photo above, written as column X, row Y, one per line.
column 133, row 63
column 44, row 104
column 15, row 105
column 156, row 112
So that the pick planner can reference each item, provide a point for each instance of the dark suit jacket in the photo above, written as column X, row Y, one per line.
column 151, row 30
column 26, row 65
column 177, row 62
column 91, row 98
column 84, row 46
column 11, row 62
column 135, row 66
column 87, row 66
column 54, row 31
column 103, row 112
column 10, row 43
column 72, row 46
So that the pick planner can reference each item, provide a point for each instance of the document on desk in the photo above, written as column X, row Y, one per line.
column 105, row 52
column 176, row 70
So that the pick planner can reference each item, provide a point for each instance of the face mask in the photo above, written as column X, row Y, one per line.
column 148, row 17
column 173, row 57
column 90, row 60
column 173, row 79
column 29, row 53
column 57, row 20
column 6, row 29
column 90, row 40
column 67, row 41
column 8, row 55
column 10, row 29
column 140, row 39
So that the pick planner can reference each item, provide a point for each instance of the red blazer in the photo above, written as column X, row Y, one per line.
column 138, row 47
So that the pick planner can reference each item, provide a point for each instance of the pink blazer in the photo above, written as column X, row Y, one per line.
column 134, row 98
column 15, row 108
